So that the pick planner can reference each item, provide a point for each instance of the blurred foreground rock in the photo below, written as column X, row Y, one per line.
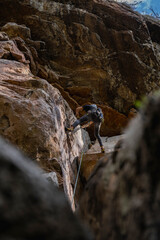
column 121, row 199
column 30, row 207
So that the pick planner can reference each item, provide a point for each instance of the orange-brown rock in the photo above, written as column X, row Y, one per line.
column 94, row 156
column 32, row 207
column 114, row 122
column 78, row 93
column 9, row 49
column 33, row 116
column 29, row 52
column 88, row 164
column 72, row 103
column 21, row 36
column 100, row 45
column 14, row 30
column 132, row 113
column 121, row 199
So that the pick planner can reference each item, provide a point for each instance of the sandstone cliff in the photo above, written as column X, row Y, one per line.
column 57, row 55
column 97, row 51
column 104, row 48
column 33, row 116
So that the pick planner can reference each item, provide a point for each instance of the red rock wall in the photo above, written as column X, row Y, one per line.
column 33, row 114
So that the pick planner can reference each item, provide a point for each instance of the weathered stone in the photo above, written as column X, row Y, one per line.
column 53, row 166
column 121, row 200
column 30, row 54
column 42, row 72
column 30, row 207
column 153, row 27
column 83, row 92
column 52, row 177
column 20, row 34
column 8, row 48
column 72, row 103
column 157, row 50
column 89, row 162
column 88, row 47
column 38, row 45
column 33, row 115
column 114, row 122
column 14, row 30
column 132, row 113
column 3, row 36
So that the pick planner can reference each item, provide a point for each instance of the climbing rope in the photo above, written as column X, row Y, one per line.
column 79, row 168
column 75, row 185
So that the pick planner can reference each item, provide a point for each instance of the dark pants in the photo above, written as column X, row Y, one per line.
column 97, row 125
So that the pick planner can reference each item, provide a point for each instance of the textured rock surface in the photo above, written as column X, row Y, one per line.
column 121, row 200
column 52, row 177
column 114, row 122
column 8, row 49
column 103, row 48
column 153, row 27
column 14, row 30
column 33, row 116
column 30, row 207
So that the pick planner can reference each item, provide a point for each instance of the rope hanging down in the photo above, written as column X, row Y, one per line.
column 75, row 185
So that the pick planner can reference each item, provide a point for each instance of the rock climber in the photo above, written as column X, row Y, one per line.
column 93, row 115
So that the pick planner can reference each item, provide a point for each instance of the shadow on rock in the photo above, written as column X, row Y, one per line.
column 121, row 199
column 32, row 208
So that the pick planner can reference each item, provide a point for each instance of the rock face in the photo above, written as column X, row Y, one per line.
column 93, row 51
column 20, row 50
column 30, row 207
column 121, row 200
column 154, row 28
column 99, row 51
column 33, row 116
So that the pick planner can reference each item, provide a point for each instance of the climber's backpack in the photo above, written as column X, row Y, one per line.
column 98, row 115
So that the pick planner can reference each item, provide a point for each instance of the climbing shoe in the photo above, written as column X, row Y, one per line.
column 102, row 149
column 69, row 129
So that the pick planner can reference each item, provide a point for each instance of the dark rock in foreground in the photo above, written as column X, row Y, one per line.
column 30, row 207
column 121, row 200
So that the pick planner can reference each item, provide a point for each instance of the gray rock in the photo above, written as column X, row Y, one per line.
column 30, row 207
column 121, row 199
column 51, row 177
